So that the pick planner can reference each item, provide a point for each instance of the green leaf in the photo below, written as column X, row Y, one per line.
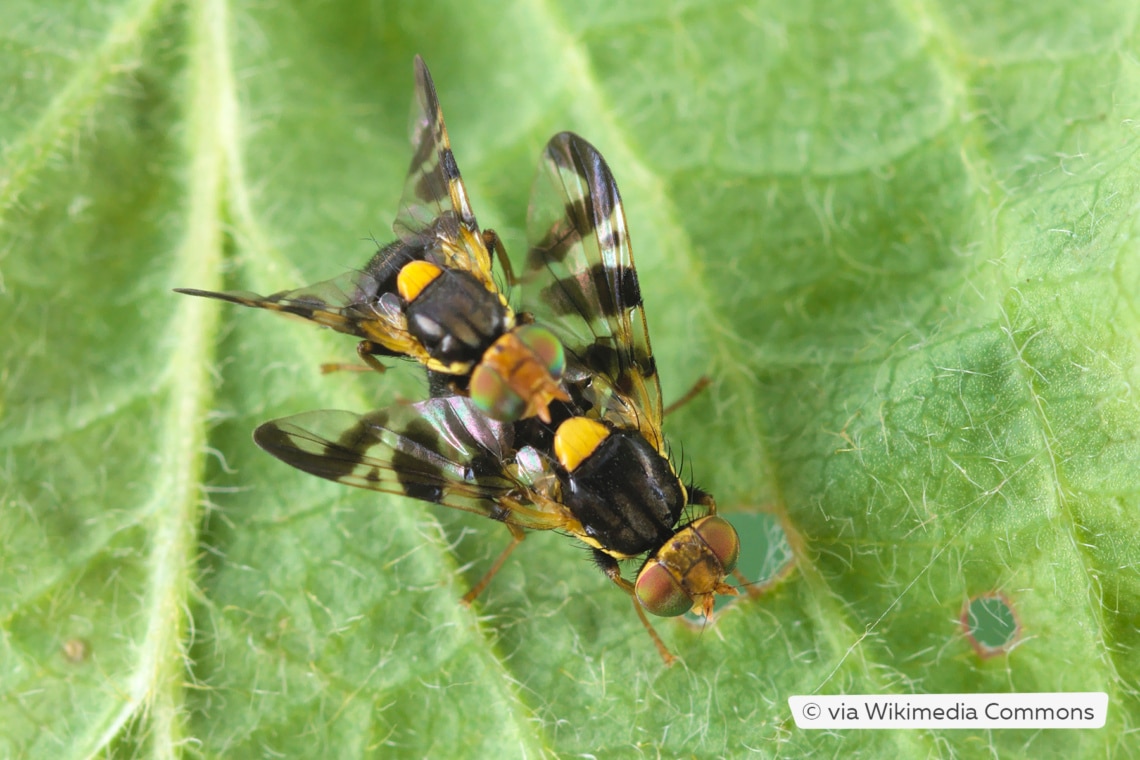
column 901, row 239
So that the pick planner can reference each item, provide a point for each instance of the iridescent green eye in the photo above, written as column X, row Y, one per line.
column 491, row 395
column 545, row 346
column 721, row 539
column 660, row 592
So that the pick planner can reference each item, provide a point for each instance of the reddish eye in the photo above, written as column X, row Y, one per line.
column 546, row 347
column 721, row 539
column 660, row 593
column 492, row 396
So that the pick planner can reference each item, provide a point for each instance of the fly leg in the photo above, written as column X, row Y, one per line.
column 517, row 535
column 703, row 382
column 366, row 350
column 495, row 245
column 610, row 567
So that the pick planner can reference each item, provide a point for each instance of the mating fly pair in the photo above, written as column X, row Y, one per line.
column 596, row 465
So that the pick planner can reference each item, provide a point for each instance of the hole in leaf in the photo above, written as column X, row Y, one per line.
column 765, row 558
column 990, row 624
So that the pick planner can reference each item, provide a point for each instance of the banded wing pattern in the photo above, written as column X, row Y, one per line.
column 580, row 282
column 431, row 295
column 435, row 213
column 441, row 450
column 351, row 303
column 435, row 224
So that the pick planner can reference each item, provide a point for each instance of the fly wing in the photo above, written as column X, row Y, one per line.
column 435, row 212
column 364, row 303
column 441, row 450
column 580, row 282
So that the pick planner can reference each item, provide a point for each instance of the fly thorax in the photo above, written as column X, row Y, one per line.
column 618, row 486
column 451, row 312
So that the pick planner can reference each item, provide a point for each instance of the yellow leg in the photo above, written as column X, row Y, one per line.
column 364, row 349
column 754, row 590
column 495, row 245
column 517, row 535
column 690, row 394
column 612, row 570
column 666, row 655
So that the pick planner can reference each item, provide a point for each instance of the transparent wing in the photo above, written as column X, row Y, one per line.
column 434, row 210
column 364, row 303
column 580, row 282
column 441, row 450
column 322, row 303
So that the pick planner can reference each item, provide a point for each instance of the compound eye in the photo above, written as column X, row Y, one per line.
column 491, row 395
column 545, row 346
column 721, row 539
column 661, row 593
